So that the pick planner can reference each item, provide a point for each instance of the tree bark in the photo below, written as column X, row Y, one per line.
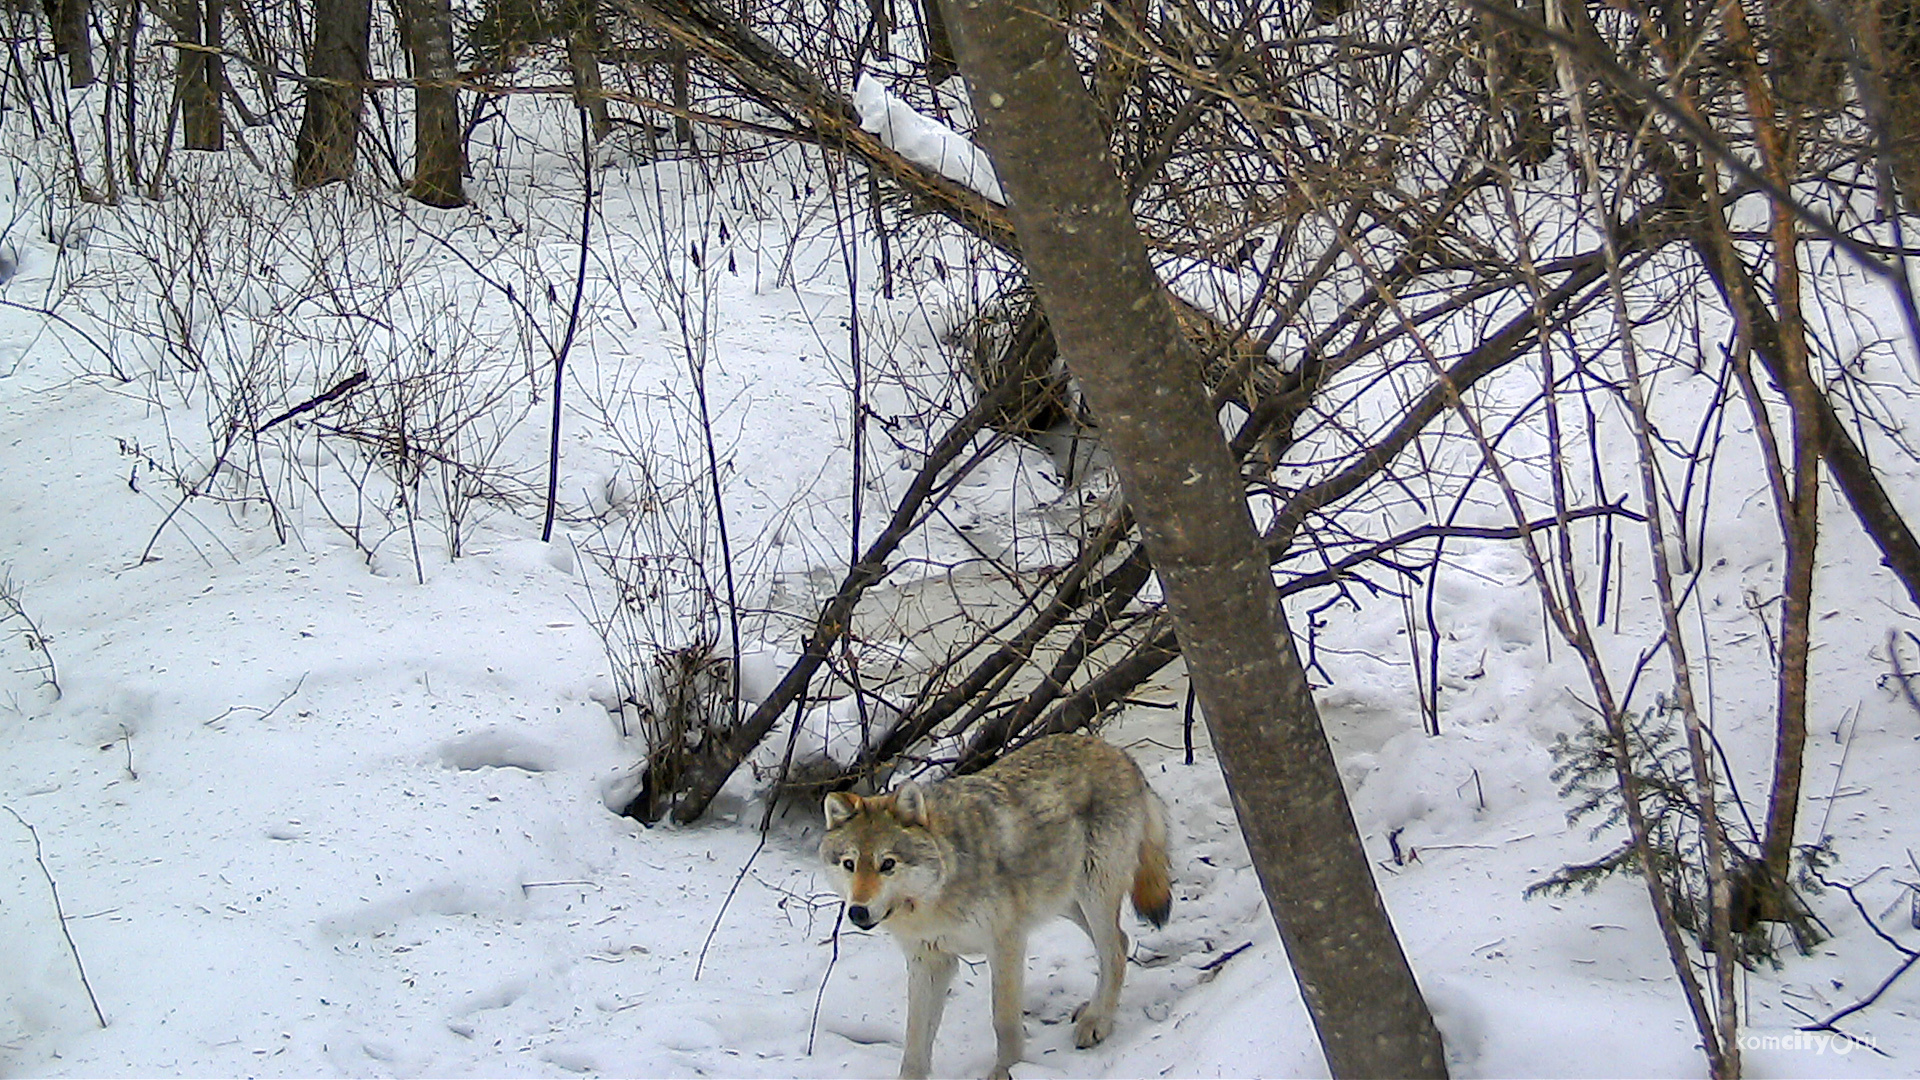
column 197, row 75
column 1799, row 517
column 330, row 127
column 72, row 40
column 439, row 144
column 941, row 65
column 1117, row 330
column 583, row 60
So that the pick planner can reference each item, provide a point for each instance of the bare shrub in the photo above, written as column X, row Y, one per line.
column 19, row 624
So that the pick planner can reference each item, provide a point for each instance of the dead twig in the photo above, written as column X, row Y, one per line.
column 39, row 856
column 340, row 389
column 1212, row 967
column 813, row 1025
column 1912, row 956
column 264, row 713
column 701, row 962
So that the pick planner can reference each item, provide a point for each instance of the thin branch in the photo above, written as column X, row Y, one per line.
column 701, row 963
column 1912, row 957
column 1706, row 139
column 40, row 857
column 468, row 82
column 573, row 324
column 11, row 607
column 819, row 995
column 48, row 313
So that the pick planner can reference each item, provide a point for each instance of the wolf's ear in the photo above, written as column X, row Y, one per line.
column 910, row 804
column 840, row 806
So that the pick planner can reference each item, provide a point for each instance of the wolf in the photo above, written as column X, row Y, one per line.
column 1063, row 826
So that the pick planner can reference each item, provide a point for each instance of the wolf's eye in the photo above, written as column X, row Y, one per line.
column 886, row 866
column 846, row 864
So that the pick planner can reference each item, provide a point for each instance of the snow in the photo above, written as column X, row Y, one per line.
column 924, row 140
column 311, row 815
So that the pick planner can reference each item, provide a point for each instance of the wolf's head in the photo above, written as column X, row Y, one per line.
column 883, row 857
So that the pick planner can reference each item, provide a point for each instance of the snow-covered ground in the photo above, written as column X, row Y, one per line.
column 310, row 815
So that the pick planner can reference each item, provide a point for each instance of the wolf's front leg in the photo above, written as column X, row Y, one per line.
column 929, row 973
column 1009, row 963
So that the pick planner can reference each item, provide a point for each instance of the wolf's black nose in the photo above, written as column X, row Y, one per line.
column 861, row 917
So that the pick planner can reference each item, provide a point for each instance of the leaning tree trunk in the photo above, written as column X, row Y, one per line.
column 330, row 127
column 197, row 74
column 1120, row 338
column 439, row 145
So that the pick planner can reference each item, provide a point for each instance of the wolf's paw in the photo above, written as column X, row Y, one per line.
column 1088, row 1028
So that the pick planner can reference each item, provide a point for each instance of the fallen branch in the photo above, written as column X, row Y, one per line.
column 1211, row 969
column 1112, row 686
column 776, row 80
column 340, row 389
column 264, row 713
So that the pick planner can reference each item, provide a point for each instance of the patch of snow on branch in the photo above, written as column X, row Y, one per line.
column 923, row 140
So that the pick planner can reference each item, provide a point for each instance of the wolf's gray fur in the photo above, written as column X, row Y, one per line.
column 1064, row 826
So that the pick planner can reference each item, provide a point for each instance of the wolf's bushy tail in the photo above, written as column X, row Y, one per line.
column 1152, row 892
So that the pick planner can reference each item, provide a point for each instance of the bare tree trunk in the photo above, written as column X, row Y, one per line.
column 941, row 65
column 72, row 40
column 126, row 40
column 439, row 144
column 680, row 73
column 583, row 59
column 1119, row 335
column 1889, row 41
column 330, row 127
column 197, row 75
column 1798, row 513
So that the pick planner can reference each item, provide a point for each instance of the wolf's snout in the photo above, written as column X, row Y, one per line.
column 861, row 917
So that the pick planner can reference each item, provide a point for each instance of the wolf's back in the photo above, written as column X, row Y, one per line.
column 1098, row 787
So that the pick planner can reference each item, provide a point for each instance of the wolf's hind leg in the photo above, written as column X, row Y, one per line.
column 1009, row 964
column 1094, row 1020
column 929, row 973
